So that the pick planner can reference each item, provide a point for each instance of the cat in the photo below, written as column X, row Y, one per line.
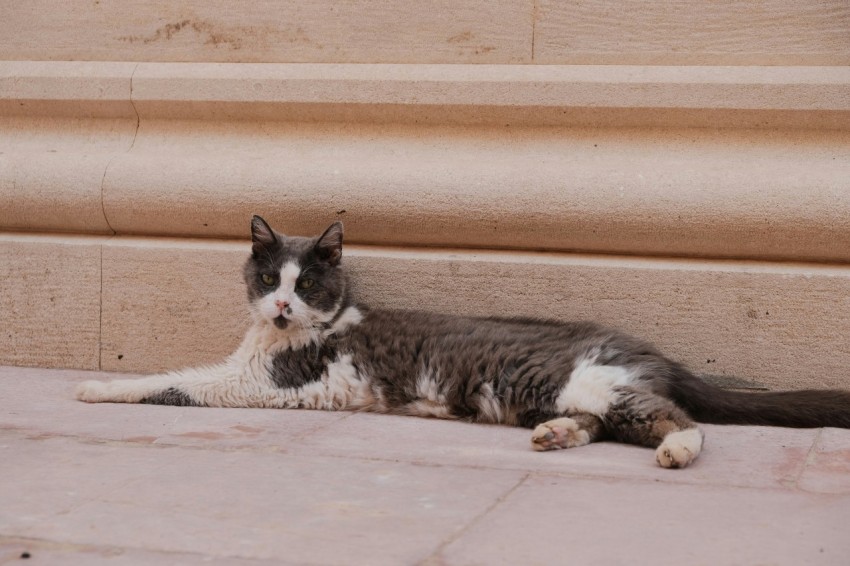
column 311, row 346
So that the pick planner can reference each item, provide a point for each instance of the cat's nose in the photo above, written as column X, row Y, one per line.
column 281, row 304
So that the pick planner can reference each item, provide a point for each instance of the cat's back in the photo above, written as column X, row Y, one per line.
column 389, row 326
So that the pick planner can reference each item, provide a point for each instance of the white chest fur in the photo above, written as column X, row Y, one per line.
column 591, row 387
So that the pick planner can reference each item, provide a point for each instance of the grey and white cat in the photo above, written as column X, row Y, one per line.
column 312, row 347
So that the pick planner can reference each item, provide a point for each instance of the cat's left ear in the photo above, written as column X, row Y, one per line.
column 329, row 245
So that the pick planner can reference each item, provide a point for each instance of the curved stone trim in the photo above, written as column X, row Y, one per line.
column 182, row 150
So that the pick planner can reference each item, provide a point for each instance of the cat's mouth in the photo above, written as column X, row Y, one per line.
column 280, row 322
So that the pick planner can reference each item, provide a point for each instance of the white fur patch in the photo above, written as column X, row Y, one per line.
column 428, row 409
column 349, row 317
column 489, row 408
column 339, row 388
column 591, row 387
column 431, row 402
column 427, row 388
column 288, row 276
column 679, row 448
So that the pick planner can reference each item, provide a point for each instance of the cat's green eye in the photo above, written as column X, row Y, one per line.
column 268, row 279
column 305, row 283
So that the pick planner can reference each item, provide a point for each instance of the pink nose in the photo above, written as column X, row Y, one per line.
column 281, row 304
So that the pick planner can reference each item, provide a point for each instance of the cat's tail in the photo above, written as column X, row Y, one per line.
column 799, row 409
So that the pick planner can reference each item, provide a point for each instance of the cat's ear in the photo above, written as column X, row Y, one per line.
column 262, row 235
column 329, row 245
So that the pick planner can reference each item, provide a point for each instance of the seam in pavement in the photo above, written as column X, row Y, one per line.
column 810, row 457
column 301, row 437
column 435, row 557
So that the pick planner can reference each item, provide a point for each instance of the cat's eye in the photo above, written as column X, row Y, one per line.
column 268, row 279
column 305, row 283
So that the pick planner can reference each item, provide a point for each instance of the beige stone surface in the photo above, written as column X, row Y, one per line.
column 692, row 32
column 91, row 484
column 169, row 304
column 650, row 191
column 607, row 95
column 672, row 191
column 52, row 170
column 789, row 527
column 61, row 124
column 682, row 192
column 680, row 32
column 50, row 301
column 361, row 31
column 76, row 89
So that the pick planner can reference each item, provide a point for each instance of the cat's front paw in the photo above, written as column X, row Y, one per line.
column 679, row 448
column 559, row 433
column 92, row 391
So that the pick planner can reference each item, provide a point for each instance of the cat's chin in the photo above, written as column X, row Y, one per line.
column 280, row 322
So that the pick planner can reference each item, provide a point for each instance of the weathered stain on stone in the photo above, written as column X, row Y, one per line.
column 248, row 429
column 202, row 435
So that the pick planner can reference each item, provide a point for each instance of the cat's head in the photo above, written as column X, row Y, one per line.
column 295, row 282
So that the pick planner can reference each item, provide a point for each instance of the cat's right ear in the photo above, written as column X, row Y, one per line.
column 262, row 235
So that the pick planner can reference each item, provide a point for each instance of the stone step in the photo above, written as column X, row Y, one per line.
column 147, row 304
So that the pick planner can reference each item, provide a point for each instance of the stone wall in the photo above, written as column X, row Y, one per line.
column 680, row 170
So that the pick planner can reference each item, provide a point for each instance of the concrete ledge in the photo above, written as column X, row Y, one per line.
column 169, row 303
column 52, row 171
column 684, row 193
column 114, row 152
column 609, row 95
column 780, row 195
column 107, row 148
column 70, row 89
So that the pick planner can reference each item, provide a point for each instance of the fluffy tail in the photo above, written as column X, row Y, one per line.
column 706, row 403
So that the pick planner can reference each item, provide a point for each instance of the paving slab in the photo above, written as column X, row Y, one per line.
column 552, row 520
column 733, row 455
column 231, row 504
column 828, row 468
column 32, row 399
column 140, row 484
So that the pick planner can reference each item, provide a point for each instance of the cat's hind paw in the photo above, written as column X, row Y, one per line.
column 679, row 448
column 559, row 433
column 92, row 391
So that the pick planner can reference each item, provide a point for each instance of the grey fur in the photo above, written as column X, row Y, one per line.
column 503, row 370
column 170, row 396
column 524, row 362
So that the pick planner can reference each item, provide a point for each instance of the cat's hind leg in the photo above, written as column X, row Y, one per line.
column 641, row 417
column 567, row 432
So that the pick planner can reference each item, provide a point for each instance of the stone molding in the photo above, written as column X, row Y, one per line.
column 192, row 149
